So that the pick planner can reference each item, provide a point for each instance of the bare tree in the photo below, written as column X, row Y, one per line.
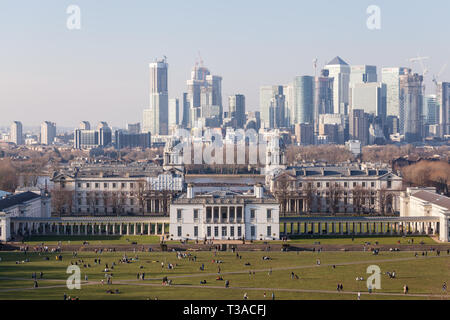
column 335, row 196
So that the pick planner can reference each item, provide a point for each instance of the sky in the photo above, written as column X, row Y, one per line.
column 100, row 72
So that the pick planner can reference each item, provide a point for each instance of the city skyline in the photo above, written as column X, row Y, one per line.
column 99, row 71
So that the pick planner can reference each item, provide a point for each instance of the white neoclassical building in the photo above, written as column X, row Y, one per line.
column 22, row 205
column 224, row 215
column 425, row 202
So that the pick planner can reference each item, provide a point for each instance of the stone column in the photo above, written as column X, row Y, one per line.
column 320, row 228
column 120, row 228
column 128, row 229
column 135, row 229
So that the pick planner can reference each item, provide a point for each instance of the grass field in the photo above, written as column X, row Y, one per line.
column 93, row 240
column 423, row 275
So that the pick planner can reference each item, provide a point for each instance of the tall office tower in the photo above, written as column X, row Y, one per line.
column 332, row 123
column 303, row 111
column 443, row 100
column 204, row 96
column 85, row 125
column 430, row 110
column 340, row 71
column 370, row 97
column 131, row 140
column 16, row 133
column 156, row 118
column 185, row 120
column 174, row 112
column 134, row 128
column 304, row 134
column 104, row 134
column 272, row 103
column 48, row 132
column 289, row 107
column 363, row 74
column 391, row 77
column 359, row 126
column 236, row 110
column 323, row 94
column 392, row 125
column 411, row 105
column 85, row 139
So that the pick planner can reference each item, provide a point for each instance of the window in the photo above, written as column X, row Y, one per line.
column 224, row 231
column 354, row 184
column 300, row 185
column 114, row 185
column 79, row 185
column 318, row 184
column 216, row 232
column 97, row 185
column 269, row 231
column 208, row 230
column 364, row 184
column 131, row 185
column 105, row 185
column 231, row 231
column 122, row 185
column 131, row 202
column 195, row 231
column 372, row 184
column 179, row 214
column 252, row 214
column 179, row 231
column 269, row 214
column 195, row 214
column 239, row 232
column 345, row 184
column 328, row 184
column 389, row 184
column 88, row 185
column 253, row 231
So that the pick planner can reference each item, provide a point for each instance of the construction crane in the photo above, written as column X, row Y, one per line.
column 420, row 60
column 436, row 77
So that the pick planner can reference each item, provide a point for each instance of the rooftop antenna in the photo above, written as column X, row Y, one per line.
column 315, row 66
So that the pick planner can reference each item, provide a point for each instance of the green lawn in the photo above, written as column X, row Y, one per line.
column 93, row 240
column 382, row 240
column 423, row 275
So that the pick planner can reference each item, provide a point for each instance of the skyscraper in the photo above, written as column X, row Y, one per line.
column 323, row 97
column 174, row 112
column 185, row 122
column 391, row 77
column 236, row 111
column 48, row 132
column 205, row 97
column 156, row 118
column 340, row 71
column 272, row 103
column 411, row 105
column 363, row 74
column 443, row 100
column 303, row 100
column 371, row 97
column 16, row 133
column 431, row 110
column 85, row 125
column 359, row 126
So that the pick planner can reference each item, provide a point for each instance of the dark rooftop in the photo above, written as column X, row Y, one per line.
column 17, row 199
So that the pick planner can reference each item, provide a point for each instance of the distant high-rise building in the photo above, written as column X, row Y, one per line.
column 185, row 122
column 304, row 134
column 204, row 96
column 289, row 104
column 443, row 100
column 303, row 109
column 156, row 118
column 125, row 139
column 85, row 125
column 359, row 126
column 323, row 97
column 363, row 74
column 411, row 106
column 134, row 128
column 272, row 106
column 236, row 110
column 104, row 134
column 371, row 97
column 16, row 134
column 391, row 77
column 88, row 139
column 174, row 112
column 431, row 110
column 48, row 132
column 339, row 70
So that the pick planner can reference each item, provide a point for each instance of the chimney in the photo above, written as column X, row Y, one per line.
column 259, row 191
column 190, row 191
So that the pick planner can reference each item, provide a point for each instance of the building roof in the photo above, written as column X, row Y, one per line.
column 17, row 199
column 338, row 61
column 433, row 198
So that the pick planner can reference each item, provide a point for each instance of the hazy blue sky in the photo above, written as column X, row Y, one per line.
column 100, row 72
